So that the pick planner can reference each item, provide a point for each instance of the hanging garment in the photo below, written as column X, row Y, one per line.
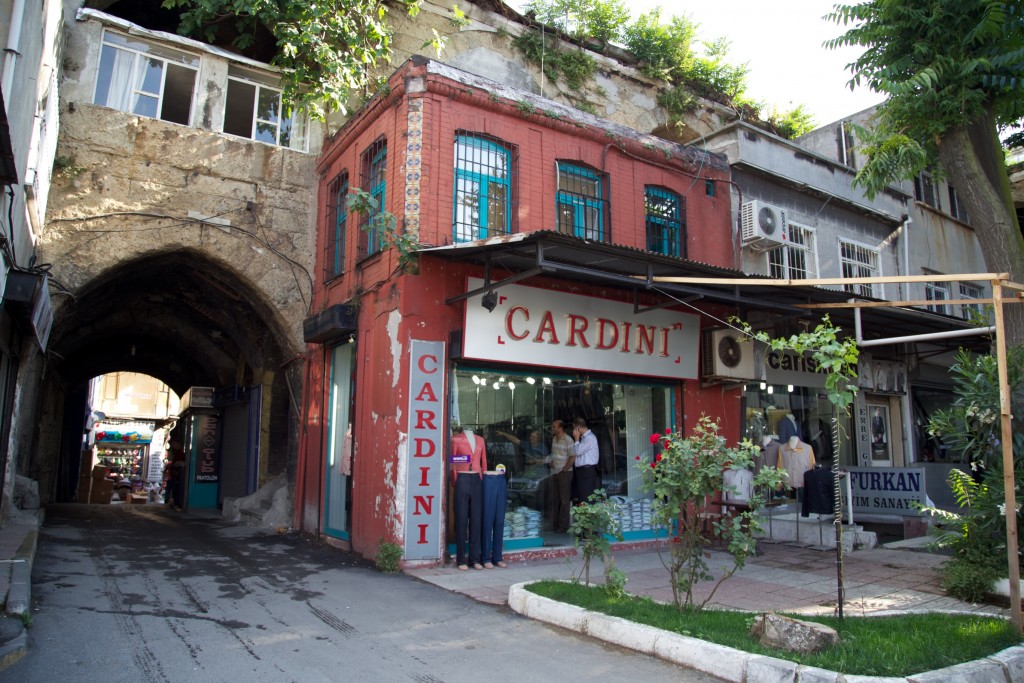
column 796, row 461
column 819, row 492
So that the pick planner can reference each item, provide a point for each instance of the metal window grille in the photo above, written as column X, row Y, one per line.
column 337, row 227
column 858, row 261
column 581, row 207
column 969, row 290
column 924, row 189
column 374, row 179
column 936, row 291
column 484, row 172
column 666, row 222
column 796, row 260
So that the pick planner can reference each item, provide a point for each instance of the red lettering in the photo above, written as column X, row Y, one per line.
column 664, row 342
column 546, row 327
column 508, row 322
column 427, row 444
column 424, row 471
column 625, row 337
column 426, row 394
column 645, row 339
column 423, row 534
column 577, row 328
column 425, row 419
column 423, row 364
column 606, row 341
column 425, row 502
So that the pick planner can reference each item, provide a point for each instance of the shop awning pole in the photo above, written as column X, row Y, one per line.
column 1009, row 492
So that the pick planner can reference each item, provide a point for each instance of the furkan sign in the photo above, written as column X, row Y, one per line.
column 887, row 490
column 537, row 326
column 426, row 451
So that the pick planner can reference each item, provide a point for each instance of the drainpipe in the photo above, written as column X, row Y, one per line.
column 907, row 220
column 11, row 52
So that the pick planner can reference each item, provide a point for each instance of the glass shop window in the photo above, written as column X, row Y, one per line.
column 767, row 405
column 513, row 413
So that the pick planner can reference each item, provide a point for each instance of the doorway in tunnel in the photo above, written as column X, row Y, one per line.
column 209, row 334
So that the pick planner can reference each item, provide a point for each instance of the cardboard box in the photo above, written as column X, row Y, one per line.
column 102, row 498
column 99, row 472
column 138, row 498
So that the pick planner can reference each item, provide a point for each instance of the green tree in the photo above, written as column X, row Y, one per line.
column 953, row 71
column 326, row 49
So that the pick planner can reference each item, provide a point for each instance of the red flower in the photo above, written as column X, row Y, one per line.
column 677, row 540
column 654, row 438
column 657, row 458
column 654, row 464
column 666, row 443
column 668, row 430
column 638, row 457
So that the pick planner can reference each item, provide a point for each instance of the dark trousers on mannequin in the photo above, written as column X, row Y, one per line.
column 495, row 489
column 584, row 482
column 468, row 509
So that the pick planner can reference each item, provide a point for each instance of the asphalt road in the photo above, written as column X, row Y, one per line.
column 141, row 593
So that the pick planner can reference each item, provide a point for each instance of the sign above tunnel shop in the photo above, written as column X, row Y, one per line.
column 126, row 433
column 197, row 397
column 887, row 490
column 426, row 450
column 537, row 326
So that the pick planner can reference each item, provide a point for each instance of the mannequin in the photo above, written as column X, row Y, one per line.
column 468, row 460
column 788, row 427
column 796, row 457
column 769, row 453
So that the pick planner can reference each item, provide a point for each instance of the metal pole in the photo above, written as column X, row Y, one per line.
column 837, row 511
column 1009, row 494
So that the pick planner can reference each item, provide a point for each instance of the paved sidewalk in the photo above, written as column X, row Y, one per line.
column 781, row 578
column 18, row 540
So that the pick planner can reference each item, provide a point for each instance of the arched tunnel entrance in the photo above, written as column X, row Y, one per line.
column 189, row 321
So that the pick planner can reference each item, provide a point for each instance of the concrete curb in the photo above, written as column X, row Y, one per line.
column 19, row 593
column 737, row 666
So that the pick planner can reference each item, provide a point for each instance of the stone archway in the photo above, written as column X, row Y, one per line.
column 184, row 317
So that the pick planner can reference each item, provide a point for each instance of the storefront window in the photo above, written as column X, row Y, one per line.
column 768, row 406
column 513, row 413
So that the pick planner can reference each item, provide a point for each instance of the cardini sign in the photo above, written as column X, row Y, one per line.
column 537, row 326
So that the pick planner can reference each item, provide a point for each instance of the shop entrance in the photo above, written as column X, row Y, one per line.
column 513, row 413
column 338, row 463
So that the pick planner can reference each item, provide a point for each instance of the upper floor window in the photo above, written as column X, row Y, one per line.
column 924, row 189
column 581, row 207
column 936, row 291
column 796, row 260
column 666, row 221
column 337, row 225
column 969, row 290
column 483, row 187
column 374, row 179
column 147, row 79
column 956, row 207
column 254, row 109
column 859, row 261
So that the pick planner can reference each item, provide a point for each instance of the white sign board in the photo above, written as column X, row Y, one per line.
column 536, row 326
column 887, row 490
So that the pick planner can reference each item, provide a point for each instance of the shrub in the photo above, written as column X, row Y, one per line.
column 594, row 523
column 389, row 557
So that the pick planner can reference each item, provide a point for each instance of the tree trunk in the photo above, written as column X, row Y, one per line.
column 973, row 160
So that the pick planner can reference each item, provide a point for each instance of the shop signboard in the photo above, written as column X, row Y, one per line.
column 207, row 440
column 541, row 327
column 887, row 490
column 155, row 468
column 426, row 450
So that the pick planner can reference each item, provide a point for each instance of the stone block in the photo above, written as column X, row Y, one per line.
column 719, row 661
column 793, row 635
column 770, row 670
column 981, row 671
column 1012, row 661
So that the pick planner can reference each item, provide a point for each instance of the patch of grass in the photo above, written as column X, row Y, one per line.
column 871, row 646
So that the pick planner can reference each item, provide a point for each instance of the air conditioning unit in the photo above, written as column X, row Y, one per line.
column 723, row 356
column 764, row 226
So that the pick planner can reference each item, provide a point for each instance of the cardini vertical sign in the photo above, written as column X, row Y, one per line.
column 426, row 450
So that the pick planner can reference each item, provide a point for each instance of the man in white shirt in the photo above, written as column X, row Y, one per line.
column 587, row 454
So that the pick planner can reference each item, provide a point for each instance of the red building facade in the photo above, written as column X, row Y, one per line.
column 491, row 276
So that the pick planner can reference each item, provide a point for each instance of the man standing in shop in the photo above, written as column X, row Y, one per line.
column 585, row 448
